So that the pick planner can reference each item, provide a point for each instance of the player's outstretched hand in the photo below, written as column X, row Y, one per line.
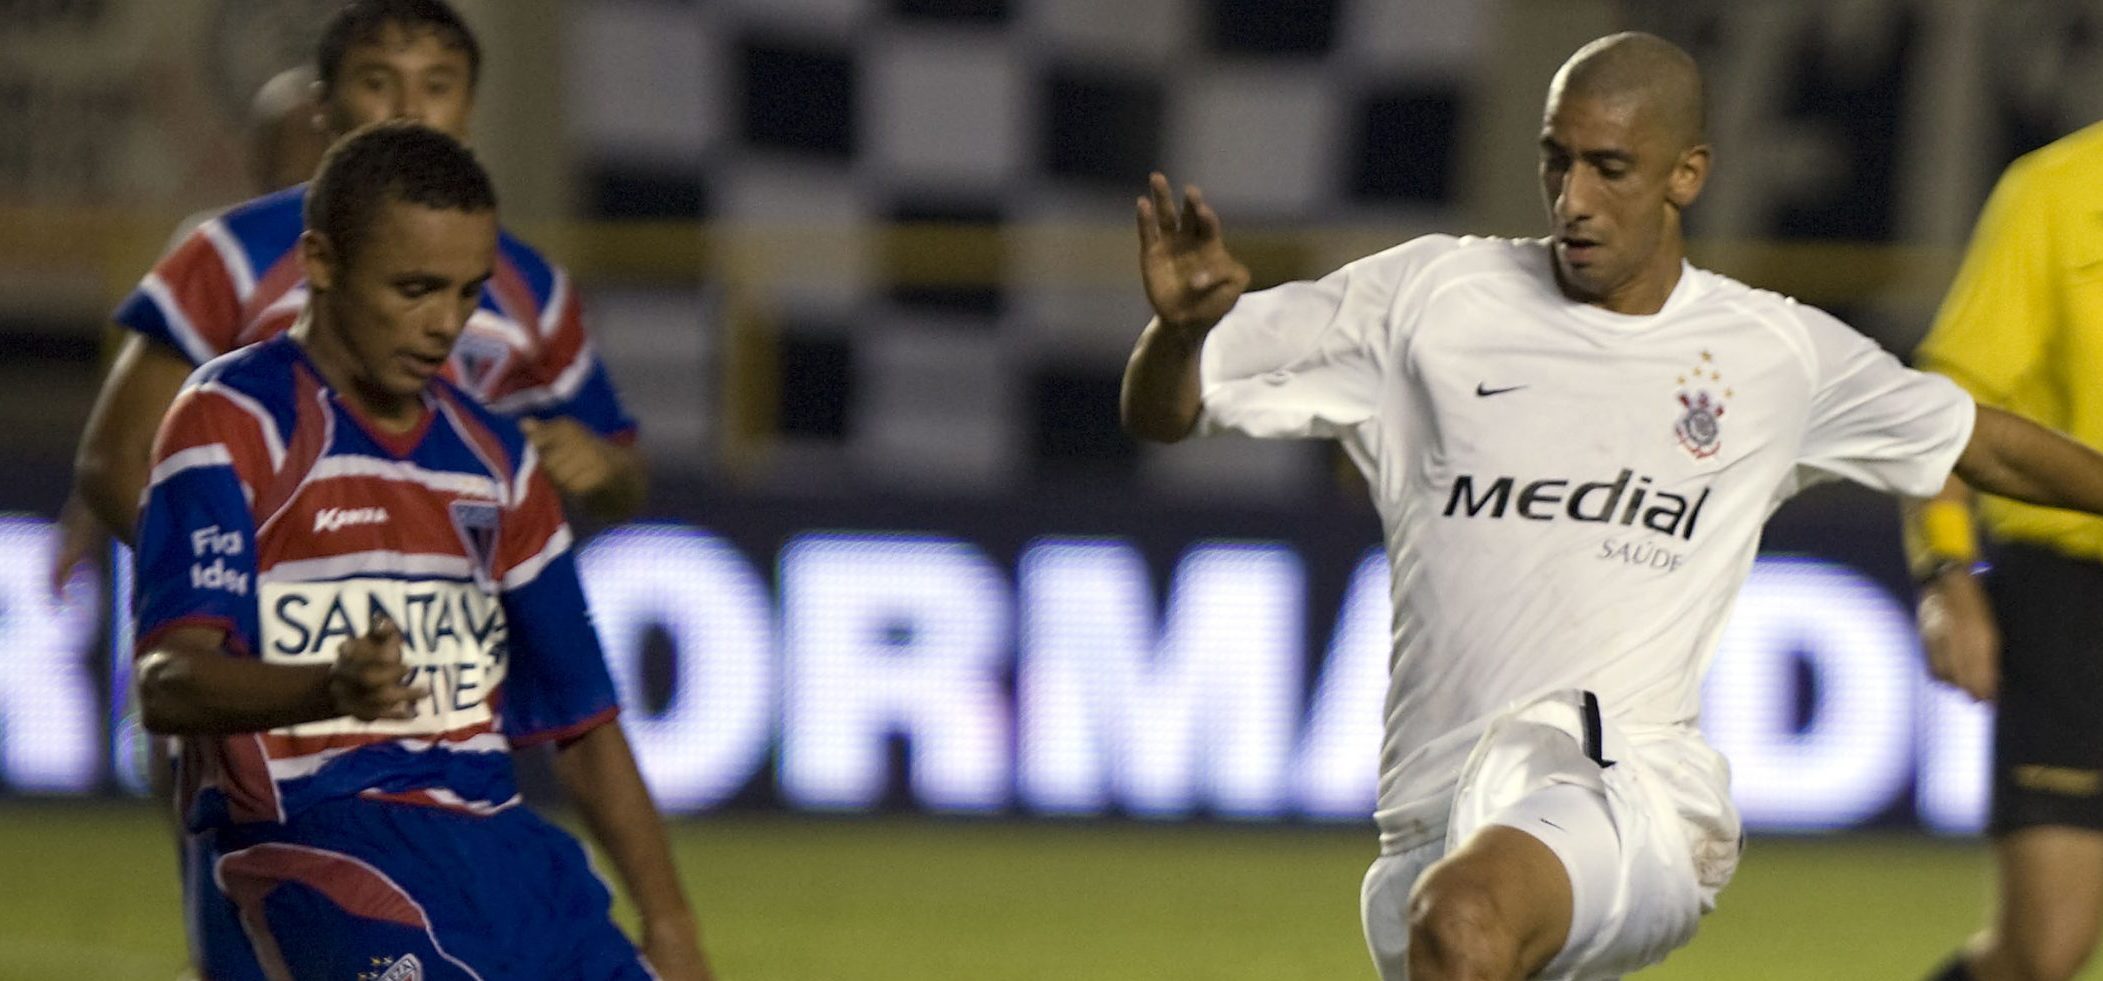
column 1191, row 278
column 369, row 679
column 1958, row 631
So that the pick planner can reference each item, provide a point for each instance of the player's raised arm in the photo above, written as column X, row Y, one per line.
column 2013, row 457
column 1191, row 282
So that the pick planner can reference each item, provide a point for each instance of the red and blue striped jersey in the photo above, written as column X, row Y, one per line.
column 278, row 514
column 237, row 280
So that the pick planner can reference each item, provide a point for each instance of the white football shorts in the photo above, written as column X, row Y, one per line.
column 1644, row 828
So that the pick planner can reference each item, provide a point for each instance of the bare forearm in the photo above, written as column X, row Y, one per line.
column 116, row 448
column 192, row 692
column 110, row 480
column 599, row 775
column 1162, row 394
column 2015, row 458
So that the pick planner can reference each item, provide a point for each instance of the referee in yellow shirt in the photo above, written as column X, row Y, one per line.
column 2022, row 330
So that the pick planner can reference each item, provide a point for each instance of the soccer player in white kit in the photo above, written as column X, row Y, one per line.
column 1573, row 443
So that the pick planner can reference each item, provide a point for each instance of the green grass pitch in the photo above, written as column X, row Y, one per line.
column 87, row 892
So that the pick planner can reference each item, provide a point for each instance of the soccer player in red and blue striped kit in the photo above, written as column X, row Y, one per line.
column 237, row 279
column 356, row 600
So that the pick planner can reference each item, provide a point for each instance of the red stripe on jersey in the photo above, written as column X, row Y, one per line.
column 251, row 794
column 529, row 524
column 425, row 798
column 480, row 437
column 416, row 521
column 303, row 446
column 283, row 747
column 355, row 887
column 558, row 352
column 202, row 418
column 569, row 732
column 514, row 297
column 203, row 289
column 281, row 278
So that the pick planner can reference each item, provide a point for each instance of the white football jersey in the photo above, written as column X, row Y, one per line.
column 1571, row 497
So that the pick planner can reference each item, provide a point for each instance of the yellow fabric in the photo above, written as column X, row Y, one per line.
column 2022, row 327
column 1946, row 531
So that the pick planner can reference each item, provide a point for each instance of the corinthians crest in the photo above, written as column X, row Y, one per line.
column 1700, row 427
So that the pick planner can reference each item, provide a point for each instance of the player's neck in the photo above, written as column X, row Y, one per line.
column 1642, row 294
column 339, row 367
column 1645, row 294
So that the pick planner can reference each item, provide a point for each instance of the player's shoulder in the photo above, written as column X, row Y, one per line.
column 257, row 368
column 1715, row 290
column 1453, row 256
column 1802, row 328
column 535, row 269
column 267, row 224
column 257, row 380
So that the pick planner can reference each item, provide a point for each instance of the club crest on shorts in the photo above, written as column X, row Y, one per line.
column 476, row 524
column 1700, row 426
column 403, row 968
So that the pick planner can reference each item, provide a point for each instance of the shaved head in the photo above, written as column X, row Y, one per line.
column 1646, row 72
column 1622, row 155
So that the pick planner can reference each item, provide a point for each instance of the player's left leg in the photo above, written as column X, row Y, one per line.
column 1497, row 908
column 2051, row 897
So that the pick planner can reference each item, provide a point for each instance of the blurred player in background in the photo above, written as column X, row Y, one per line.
column 1573, row 443
column 236, row 280
column 285, row 139
column 356, row 599
column 286, row 132
column 2022, row 329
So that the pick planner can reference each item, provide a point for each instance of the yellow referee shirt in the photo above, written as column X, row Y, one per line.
column 2022, row 328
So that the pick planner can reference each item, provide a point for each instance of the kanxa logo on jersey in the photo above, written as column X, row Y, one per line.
column 454, row 640
column 331, row 519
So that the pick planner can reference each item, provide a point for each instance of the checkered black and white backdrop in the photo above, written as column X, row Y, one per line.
column 821, row 123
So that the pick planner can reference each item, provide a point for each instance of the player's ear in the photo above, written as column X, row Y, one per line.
column 1688, row 176
column 317, row 257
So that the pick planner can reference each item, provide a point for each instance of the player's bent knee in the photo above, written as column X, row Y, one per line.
column 1457, row 930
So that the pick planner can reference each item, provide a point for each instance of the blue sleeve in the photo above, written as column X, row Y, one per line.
column 140, row 314
column 196, row 555
column 556, row 686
